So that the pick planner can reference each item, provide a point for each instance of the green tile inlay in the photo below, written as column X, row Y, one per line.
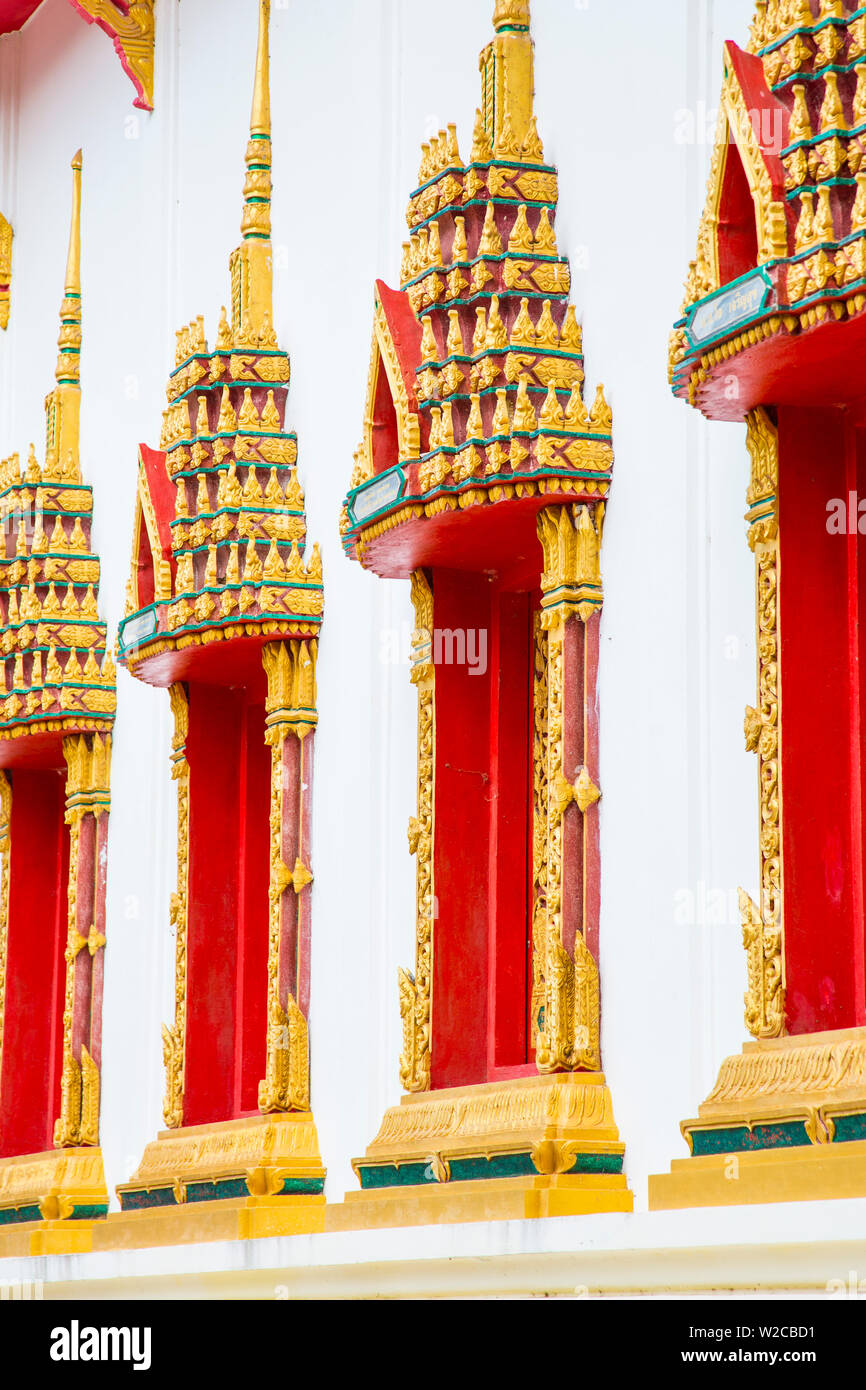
column 14, row 1216
column 739, row 1139
column 849, row 1128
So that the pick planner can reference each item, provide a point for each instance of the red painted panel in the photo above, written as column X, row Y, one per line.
column 215, row 752
column 737, row 235
column 511, row 720
column 254, row 847
column 15, row 13
column 461, row 851
column 35, row 972
column 823, row 929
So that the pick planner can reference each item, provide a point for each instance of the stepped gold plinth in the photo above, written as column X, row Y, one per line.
column 532, row 1147
column 243, row 1179
column 785, row 1122
column 50, row 1202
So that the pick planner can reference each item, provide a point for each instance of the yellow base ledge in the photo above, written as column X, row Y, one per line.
column 252, row 1218
column 66, row 1187
column 491, row 1199
column 234, row 1180
column 47, row 1238
column 786, row 1117
column 811, row 1174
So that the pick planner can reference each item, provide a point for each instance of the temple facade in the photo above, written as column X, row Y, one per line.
column 495, row 927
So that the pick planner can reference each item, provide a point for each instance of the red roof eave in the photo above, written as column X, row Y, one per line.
column 405, row 333
column 769, row 116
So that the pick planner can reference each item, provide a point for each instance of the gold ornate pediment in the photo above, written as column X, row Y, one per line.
column 383, row 357
column 735, row 138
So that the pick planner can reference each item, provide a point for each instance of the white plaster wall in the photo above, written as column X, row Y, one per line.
column 356, row 85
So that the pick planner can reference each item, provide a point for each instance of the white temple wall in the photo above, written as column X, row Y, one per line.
column 356, row 86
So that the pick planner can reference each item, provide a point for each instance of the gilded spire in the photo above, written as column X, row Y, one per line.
column 257, row 189
column 508, row 81
column 69, row 342
column 252, row 273
column 63, row 405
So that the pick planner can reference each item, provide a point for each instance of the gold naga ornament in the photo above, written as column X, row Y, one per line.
column 132, row 28
column 57, row 695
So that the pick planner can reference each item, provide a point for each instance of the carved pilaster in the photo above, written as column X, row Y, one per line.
column 763, row 931
column 6, row 237
column 416, row 1001
column 565, row 993
column 291, row 719
column 174, row 1038
column 88, row 763
column 5, row 857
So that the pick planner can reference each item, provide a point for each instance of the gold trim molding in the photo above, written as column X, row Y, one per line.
column 6, row 239
column 763, row 929
column 416, row 991
column 174, row 1038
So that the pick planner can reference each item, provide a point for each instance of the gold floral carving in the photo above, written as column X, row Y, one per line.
column 801, row 1067
column 416, row 1003
column 291, row 699
column 491, row 1117
column 6, row 237
column 539, row 819
column 763, row 446
column 134, row 34
column 236, row 1147
column 571, row 581
column 174, row 1038
column 287, row 1082
column 736, row 137
column 763, row 934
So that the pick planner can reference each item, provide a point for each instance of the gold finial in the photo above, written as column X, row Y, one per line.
column 69, row 341
column 257, row 189
column 260, row 121
column 511, row 14
column 508, row 82
column 252, row 273
column 63, row 405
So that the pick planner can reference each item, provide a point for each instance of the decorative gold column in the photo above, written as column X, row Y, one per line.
column 88, row 798
column 6, row 237
column 416, row 994
column 763, row 926
column 5, row 857
column 291, row 719
column 174, row 1038
column 565, row 982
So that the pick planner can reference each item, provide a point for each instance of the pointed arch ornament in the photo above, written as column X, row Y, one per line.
column 224, row 608
column 483, row 477
column 57, row 708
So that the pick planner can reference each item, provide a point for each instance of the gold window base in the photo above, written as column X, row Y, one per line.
column 785, row 1122
column 60, row 1184
column 268, row 1167
column 532, row 1147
